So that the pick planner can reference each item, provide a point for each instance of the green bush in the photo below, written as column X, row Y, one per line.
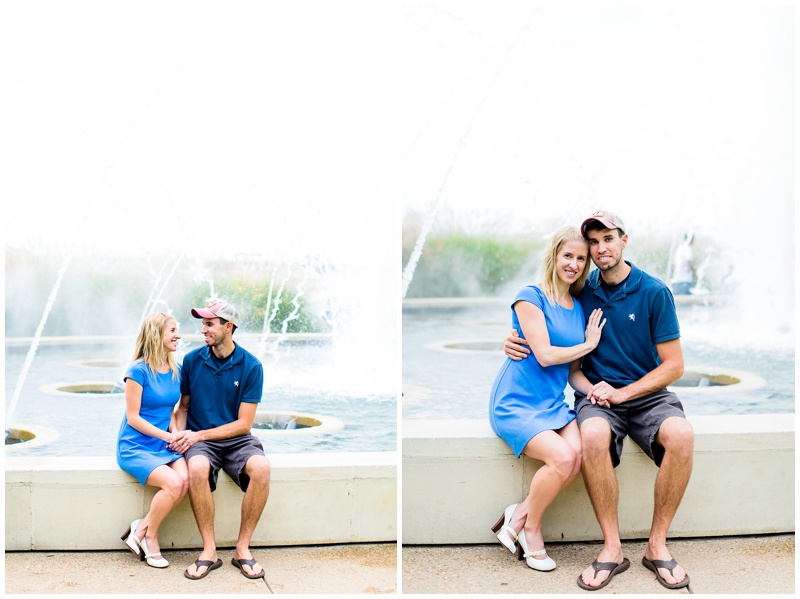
column 457, row 264
column 461, row 265
column 252, row 298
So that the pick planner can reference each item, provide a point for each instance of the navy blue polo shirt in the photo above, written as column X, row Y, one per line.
column 217, row 390
column 640, row 313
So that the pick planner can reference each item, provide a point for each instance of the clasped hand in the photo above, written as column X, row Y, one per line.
column 182, row 440
column 603, row 395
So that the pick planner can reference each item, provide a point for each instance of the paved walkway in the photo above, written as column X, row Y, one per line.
column 757, row 565
column 741, row 565
column 334, row 569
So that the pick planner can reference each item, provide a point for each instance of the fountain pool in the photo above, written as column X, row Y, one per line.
column 86, row 424
column 452, row 353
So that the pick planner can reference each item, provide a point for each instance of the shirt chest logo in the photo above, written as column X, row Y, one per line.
column 632, row 317
column 235, row 383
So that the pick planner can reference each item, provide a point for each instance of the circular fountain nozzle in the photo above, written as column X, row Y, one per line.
column 292, row 423
column 86, row 388
column 29, row 436
column 712, row 378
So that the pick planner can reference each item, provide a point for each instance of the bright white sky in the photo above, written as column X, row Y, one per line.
column 311, row 127
column 672, row 114
column 154, row 126
column 678, row 116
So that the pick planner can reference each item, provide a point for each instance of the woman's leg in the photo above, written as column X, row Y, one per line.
column 560, row 452
column 172, row 479
column 572, row 436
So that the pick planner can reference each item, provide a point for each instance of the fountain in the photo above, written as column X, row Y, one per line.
column 303, row 377
column 327, row 420
column 562, row 163
column 564, row 132
column 126, row 202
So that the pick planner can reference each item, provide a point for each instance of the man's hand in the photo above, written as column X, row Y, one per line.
column 515, row 346
column 604, row 395
column 183, row 440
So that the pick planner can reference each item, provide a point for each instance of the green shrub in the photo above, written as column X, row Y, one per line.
column 252, row 298
column 461, row 265
column 457, row 264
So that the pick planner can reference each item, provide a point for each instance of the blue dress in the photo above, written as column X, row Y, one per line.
column 526, row 397
column 140, row 454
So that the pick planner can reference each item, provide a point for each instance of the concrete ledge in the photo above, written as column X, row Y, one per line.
column 458, row 477
column 65, row 503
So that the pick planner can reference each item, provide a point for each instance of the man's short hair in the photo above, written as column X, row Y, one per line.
column 223, row 322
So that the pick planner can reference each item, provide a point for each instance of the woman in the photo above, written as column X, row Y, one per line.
column 527, row 408
column 152, row 388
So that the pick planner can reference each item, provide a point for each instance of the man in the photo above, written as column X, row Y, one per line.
column 620, row 389
column 221, row 386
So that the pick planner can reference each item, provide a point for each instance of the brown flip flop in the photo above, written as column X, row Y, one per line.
column 655, row 564
column 203, row 562
column 613, row 567
column 247, row 562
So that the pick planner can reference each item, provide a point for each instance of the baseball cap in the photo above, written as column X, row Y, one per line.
column 218, row 309
column 608, row 219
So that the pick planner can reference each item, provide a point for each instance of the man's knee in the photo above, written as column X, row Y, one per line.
column 199, row 469
column 595, row 436
column 259, row 470
column 676, row 436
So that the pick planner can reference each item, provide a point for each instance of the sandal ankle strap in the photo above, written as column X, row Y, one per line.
column 511, row 532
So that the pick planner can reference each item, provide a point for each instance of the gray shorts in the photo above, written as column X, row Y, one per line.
column 640, row 419
column 229, row 454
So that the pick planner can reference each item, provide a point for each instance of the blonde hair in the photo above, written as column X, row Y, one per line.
column 150, row 343
column 548, row 272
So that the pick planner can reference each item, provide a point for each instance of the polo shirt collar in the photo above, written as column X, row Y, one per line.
column 236, row 357
column 630, row 285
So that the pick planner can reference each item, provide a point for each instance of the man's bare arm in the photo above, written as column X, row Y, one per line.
column 666, row 373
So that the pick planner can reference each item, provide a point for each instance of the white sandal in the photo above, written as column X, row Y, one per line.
column 505, row 534
column 155, row 563
column 129, row 536
column 543, row 565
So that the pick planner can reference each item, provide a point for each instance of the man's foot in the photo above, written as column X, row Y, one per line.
column 595, row 578
column 677, row 576
column 250, row 567
column 203, row 565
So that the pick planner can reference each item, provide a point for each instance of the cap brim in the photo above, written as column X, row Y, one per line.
column 203, row 313
column 603, row 222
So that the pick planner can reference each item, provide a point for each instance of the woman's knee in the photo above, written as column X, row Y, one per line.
column 576, row 467
column 177, row 486
column 181, row 473
column 184, row 483
column 566, row 463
